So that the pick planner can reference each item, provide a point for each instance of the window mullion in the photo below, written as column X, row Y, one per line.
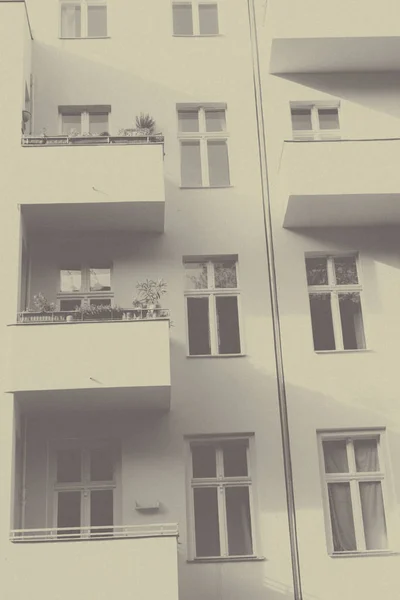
column 195, row 17
column 84, row 19
column 205, row 176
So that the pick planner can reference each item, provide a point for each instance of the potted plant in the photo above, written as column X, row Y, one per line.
column 100, row 312
column 42, row 306
column 149, row 295
column 145, row 124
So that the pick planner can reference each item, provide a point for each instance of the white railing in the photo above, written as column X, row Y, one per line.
column 77, row 316
column 57, row 534
column 89, row 140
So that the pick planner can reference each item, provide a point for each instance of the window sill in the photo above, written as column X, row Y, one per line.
column 100, row 37
column 356, row 350
column 363, row 554
column 215, row 356
column 204, row 187
column 226, row 559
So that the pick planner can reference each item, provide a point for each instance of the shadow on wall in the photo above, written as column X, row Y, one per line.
column 377, row 91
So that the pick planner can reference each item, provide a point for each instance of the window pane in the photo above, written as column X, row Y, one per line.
column 188, row 120
column 352, row 322
column 218, row 165
column 182, row 18
column 206, row 521
column 203, row 460
column 373, row 515
column 100, row 302
column 102, row 464
column 97, row 21
column 69, row 465
column 208, row 16
column 71, row 280
column 198, row 324
column 71, row 123
column 366, row 453
column 100, row 280
column 228, row 325
column 322, row 323
column 196, row 276
column 101, row 510
column 69, row 511
column 328, row 118
column 301, row 119
column 335, row 457
column 70, row 21
column 342, row 522
column 215, row 120
column 98, row 123
column 235, row 458
column 191, row 164
column 70, row 305
column 317, row 271
column 225, row 274
column 346, row 270
column 238, row 521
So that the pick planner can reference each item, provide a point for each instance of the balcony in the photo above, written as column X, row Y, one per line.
column 314, row 36
column 340, row 183
column 92, row 183
column 59, row 359
column 137, row 562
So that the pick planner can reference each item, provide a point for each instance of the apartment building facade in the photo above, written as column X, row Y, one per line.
column 141, row 448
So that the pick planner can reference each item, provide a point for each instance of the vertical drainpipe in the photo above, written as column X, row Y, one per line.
column 284, row 421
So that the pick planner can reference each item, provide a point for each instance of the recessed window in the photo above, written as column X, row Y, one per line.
column 221, row 499
column 212, row 300
column 195, row 18
column 353, row 475
column 89, row 285
column 315, row 121
column 204, row 146
column 83, row 18
column 84, row 487
column 84, row 120
column 335, row 302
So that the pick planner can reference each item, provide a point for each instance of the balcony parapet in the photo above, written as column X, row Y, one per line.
column 108, row 316
column 89, row 140
column 57, row 534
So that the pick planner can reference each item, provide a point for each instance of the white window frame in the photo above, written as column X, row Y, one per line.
column 221, row 483
column 334, row 290
column 353, row 478
column 316, row 133
column 203, row 137
column 85, row 486
column 211, row 293
column 84, row 114
column 83, row 4
column 196, row 18
column 85, row 295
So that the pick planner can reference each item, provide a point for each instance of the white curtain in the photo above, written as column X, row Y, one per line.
column 344, row 537
column 70, row 21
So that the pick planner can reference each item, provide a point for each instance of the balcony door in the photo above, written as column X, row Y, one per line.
column 84, row 486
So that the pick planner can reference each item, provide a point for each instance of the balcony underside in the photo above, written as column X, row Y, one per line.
column 346, row 210
column 334, row 54
column 94, row 217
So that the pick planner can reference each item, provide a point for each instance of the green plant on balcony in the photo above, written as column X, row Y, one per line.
column 149, row 295
column 40, row 304
column 99, row 312
column 145, row 126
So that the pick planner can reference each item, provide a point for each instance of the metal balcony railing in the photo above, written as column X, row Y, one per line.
column 90, row 140
column 99, row 316
column 57, row 534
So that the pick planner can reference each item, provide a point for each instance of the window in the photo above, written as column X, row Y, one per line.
column 84, row 483
column 81, row 120
column 90, row 285
column 204, row 148
column 335, row 303
column 353, row 473
column 212, row 300
column 83, row 18
column 221, row 498
column 315, row 121
column 195, row 18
